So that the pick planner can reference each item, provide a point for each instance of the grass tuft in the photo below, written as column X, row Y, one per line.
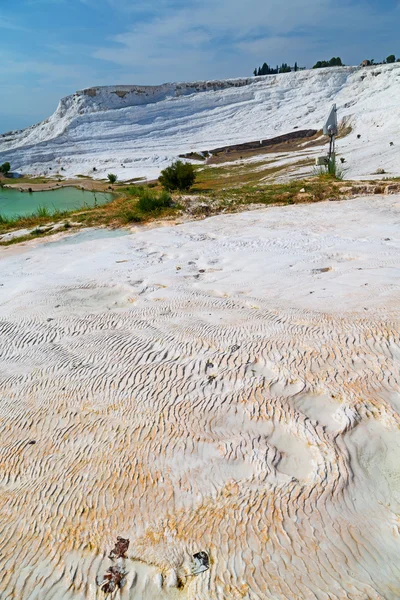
column 330, row 171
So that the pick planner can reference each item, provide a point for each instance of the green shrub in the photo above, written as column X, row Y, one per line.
column 150, row 202
column 131, row 216
column 334, row 62
column 178, row 176
column 5, row 168
column 112, row 178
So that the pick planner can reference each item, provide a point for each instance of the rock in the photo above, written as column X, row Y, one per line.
column 302, row 191
column 366, row 63
column 380, row 171
column 200, row 563
column 322, row 270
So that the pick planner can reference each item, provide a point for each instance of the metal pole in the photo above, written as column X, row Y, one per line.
column 331, row 145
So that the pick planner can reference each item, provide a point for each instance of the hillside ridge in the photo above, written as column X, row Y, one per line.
column 137, row 130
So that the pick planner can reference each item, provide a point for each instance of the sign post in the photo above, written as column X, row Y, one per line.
column 331, row 129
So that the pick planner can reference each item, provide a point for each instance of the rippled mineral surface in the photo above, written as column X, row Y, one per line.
column 223, row 394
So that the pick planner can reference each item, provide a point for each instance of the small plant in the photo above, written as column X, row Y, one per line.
column 178, row 176
column 112, row 178
column 331, row 170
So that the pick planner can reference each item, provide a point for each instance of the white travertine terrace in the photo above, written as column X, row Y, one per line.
column 135, row 131
column 228, row 386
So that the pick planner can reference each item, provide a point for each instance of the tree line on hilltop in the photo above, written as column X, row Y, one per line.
column 265, row 69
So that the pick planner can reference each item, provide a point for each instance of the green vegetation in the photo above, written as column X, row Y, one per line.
column 112, row 178
column 5, row 168
column 178, row 176
column 43, row 212
column 331, row 170
column 334, row 62
column 391, row 59
column 27, row 179
column 151, row 202
column 216, row 188
column 265, row 69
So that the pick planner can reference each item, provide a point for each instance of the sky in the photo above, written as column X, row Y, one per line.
column 51, row 48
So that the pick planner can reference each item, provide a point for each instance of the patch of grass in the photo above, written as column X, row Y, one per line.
column 27, row 179
column 149, row 201
column 131, row 216
column 217, row 178
column 42, row 212
column 293, row 192
column 4, row 220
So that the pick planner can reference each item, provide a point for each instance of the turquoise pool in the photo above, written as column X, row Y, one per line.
column 14, row 203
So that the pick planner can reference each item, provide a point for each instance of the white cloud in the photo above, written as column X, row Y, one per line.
column 216, row 38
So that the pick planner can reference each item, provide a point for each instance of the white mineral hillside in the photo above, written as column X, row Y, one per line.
column 135, row 131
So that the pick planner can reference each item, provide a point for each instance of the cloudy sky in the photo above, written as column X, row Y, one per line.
column 51, row 48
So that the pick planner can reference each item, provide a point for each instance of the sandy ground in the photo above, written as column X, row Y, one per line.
column 229, row 386
column 85, row 184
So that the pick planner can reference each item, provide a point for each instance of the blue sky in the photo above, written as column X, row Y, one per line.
column 51, row 48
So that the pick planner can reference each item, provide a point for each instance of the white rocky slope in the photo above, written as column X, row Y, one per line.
column 135, row 131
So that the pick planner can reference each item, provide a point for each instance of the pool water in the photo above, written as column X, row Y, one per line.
column 14, row 203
